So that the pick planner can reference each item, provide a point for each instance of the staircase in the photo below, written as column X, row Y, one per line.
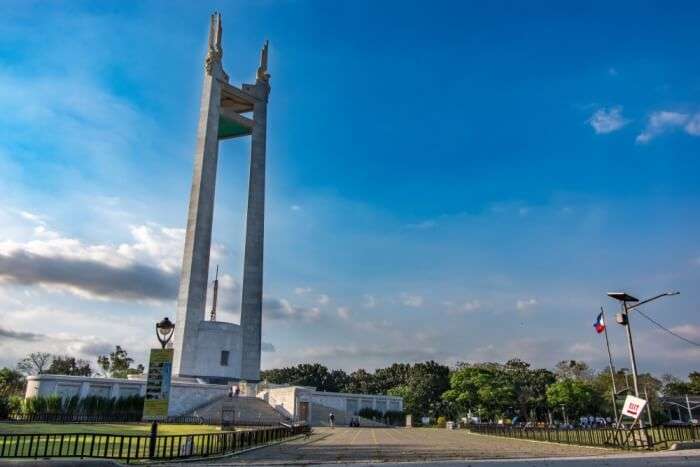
column 319, row 417
column 246, row 411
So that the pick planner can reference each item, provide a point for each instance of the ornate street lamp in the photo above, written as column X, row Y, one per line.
column 164, row 331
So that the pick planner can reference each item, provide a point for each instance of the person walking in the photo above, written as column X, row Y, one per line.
column 331, row 420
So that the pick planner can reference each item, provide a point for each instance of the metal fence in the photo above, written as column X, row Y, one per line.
column 132, row 447
column 132, row 418
column 637, row 438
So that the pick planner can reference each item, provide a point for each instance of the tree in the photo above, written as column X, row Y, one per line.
column 577, row 396
column 572, row 369
column 65, row 365
column 35, row 363
column 12, row 383
column 314, row 375
column 361, row 382
column 116, row 364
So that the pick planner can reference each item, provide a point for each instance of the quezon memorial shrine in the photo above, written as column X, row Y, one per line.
column 213, row 359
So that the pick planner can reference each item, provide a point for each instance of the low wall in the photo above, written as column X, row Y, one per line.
column 184, row 395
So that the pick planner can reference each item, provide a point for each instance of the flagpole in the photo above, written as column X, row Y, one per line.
column 612, row 368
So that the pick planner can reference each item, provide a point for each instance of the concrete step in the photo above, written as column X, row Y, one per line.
column 245, row 409
column 319, row 417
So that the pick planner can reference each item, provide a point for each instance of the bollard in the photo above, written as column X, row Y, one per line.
column 153, row 440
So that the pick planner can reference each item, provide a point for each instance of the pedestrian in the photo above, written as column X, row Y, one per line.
column 331, row 420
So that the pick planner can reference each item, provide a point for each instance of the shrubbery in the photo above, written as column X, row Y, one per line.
column 441, row 422
column 55, row 405
column 395, row 417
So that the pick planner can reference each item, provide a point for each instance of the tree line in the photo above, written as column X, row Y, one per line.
column 116, row 364
column 493, row 391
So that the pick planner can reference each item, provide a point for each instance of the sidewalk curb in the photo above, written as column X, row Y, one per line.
column 223, row 456
column 682, row 445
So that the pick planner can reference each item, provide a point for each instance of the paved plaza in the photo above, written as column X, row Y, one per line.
column 403, row 445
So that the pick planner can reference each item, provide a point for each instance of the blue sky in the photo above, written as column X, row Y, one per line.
column 449, row 181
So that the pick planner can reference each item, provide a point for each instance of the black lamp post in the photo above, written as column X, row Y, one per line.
column 164, row 331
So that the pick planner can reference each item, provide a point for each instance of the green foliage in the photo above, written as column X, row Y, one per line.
column 90, row 406
column 65, row 365
column 578, row 397
column 118, row 364
column 314, row 375
column 572, row 369
column 395, row 417
column 370, row 413
column 12, row 382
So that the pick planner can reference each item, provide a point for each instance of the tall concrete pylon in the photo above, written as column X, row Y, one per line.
column 221, row 117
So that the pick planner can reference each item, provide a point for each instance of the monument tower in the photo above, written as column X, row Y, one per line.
column 212, row 349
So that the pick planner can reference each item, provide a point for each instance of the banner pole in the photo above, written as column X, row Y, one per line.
column 612, row 368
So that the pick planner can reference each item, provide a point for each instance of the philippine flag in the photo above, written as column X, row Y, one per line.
column 599, row 324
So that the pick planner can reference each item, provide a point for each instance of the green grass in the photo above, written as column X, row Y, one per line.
column 104, row 428
column 106, row 440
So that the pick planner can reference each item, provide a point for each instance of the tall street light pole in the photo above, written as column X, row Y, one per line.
column 623, row 319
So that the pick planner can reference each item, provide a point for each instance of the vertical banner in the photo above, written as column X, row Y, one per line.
column 158, row 384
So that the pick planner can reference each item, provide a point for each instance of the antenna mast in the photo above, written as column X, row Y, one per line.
column 212, row 315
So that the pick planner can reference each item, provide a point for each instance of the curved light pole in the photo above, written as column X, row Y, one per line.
column 164, row 331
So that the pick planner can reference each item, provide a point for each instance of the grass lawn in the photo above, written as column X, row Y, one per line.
column 105, row 428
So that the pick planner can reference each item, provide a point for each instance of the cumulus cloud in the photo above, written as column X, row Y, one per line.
column 413, row 301
column 689, row 331
column 146, row 269
column 369, row 301
column 525, row 304
column 282, row 309
column 323, row 299
column 664, row 121
column 344, row 312
column 19, row 335
column 88, row 278
column 302, row 290
column 470, row 306
column 607, row 120
column 397, row 353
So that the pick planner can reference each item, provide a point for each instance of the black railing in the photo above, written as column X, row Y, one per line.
column 132, row 447
column 131, row 418
column 637, row 438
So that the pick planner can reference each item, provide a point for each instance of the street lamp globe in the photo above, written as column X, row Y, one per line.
column 164, row 331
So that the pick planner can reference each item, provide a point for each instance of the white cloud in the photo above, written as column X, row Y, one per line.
column 525, row 304
column 693, row 125
column 344, row 312
column 689, row 331
column 302, row 290
column 471, row 305
column 369, row 301
column 424, row 225
column 323, row 299
column 35, row 218
column 663, row 121
column 282, row 309
column 608, row 120
column 413, row 301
